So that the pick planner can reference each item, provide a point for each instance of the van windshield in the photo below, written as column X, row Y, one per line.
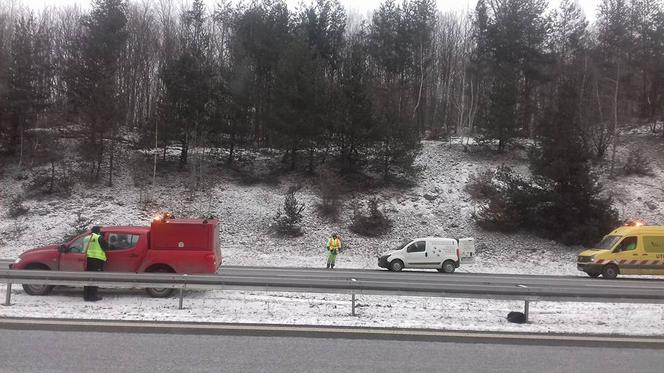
column 402, row 245
column 607, row 242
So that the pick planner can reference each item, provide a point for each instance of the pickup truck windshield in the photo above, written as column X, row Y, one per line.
column 607, row 242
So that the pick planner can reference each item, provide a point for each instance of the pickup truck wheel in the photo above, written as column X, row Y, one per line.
column 610, row 271
column 38, row 289
column 160, row 292
column 448, row 266
column 33, row 289
column 396, row 265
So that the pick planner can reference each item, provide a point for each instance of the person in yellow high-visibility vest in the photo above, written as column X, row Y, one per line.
column 333, row 247
column 94, row 248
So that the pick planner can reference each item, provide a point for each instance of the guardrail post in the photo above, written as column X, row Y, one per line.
column 182, row 291
column 526, row 306
column 352, row 299
column 8, row 296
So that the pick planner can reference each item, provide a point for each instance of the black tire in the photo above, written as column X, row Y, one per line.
column 610, row 271
column 33, row 289
column 593, row 274
column 160, row 292
column 448, row 267
column 396, row 265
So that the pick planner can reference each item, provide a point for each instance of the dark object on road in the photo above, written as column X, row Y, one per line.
column 516, row 317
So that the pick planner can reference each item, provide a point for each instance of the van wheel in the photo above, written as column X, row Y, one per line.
column 396, row 265
column 33, row 289
column 160, row 292
column 448, row 267
column 610, row 271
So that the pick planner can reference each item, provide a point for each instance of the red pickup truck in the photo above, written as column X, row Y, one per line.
column 172, row 246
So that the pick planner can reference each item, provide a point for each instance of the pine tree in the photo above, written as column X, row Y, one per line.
column 300, row 101
column 187, row 79
column 516, row 35
column 355, row 126
column 288, row 221
column 262, row 33
column 22, row 96
column 614, row 44
column 573, row 204
column 92, row 80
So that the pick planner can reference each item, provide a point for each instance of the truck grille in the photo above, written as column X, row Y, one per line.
column 584, row 259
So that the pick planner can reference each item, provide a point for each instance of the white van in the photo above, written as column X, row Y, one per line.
column 443, row 254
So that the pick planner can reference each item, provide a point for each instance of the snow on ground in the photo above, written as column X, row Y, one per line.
column 437, row 206
column 318, row 309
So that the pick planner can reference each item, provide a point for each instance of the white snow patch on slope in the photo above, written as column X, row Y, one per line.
column 246, row 212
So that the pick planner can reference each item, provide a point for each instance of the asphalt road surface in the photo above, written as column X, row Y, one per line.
column 561, row 287
column 68, row 351
column 425, row 283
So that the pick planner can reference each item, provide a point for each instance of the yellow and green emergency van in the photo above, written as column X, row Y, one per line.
column 628, row 250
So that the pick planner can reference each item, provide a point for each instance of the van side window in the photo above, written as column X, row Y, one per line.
column 627, row 244
column 416, row 247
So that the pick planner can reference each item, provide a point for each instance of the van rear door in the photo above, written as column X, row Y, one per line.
column 467, row 250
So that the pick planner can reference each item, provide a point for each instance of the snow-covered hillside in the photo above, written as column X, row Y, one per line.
column 437, row 205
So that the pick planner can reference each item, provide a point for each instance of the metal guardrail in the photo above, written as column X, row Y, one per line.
column 595, row 291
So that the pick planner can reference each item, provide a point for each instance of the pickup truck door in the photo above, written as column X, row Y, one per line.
column 125, row 251
column 73, row 259
column 416, row 255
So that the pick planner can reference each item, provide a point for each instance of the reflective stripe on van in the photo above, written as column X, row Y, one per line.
column 633, row 263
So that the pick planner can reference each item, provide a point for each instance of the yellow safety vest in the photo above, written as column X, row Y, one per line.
column 92, row 248
column 334, row 244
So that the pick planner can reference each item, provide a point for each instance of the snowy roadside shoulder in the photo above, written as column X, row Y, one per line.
column 316, row 309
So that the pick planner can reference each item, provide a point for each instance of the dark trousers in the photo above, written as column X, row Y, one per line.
column 93, row 265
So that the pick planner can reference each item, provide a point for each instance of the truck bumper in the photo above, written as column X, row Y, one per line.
column 382, row 261
column 589, row 267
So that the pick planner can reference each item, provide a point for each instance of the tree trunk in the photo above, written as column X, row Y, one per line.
column 100, row 155
column 615, row 122
column 21, row 134
column 184, row 153
column 111, row 158
column 386, row 160
column 419, row 93
column 156, row 149
column 293, row 152
column 311, row 159
column 52, row 181
column 462, row 104
column 231, row 150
